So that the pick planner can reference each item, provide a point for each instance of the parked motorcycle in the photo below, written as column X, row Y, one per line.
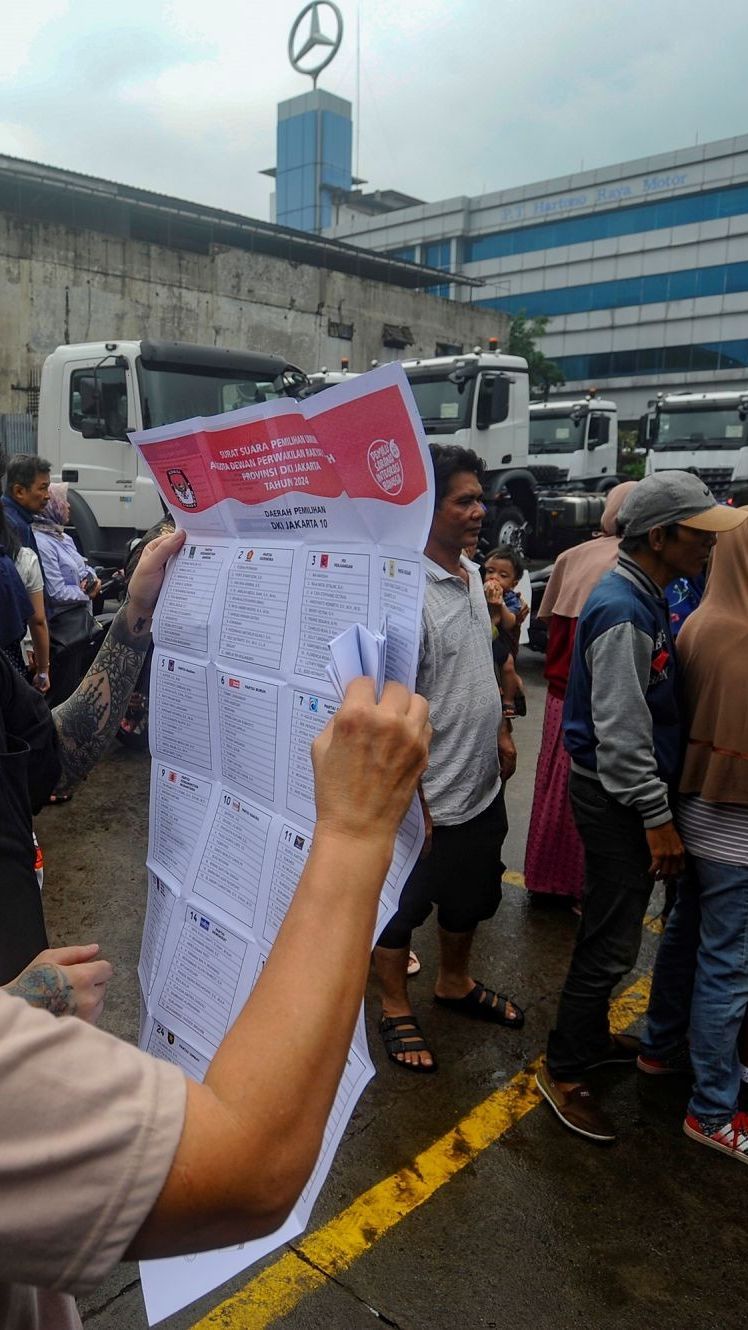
column 76, row 636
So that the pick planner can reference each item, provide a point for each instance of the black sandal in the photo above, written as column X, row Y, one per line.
column 411, row 1040
column 479, row 1005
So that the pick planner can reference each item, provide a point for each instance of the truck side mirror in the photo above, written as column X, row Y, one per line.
column 647, row 430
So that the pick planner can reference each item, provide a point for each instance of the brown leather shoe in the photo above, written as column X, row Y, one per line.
column 577, row 1108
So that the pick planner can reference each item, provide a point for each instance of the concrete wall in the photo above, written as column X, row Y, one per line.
column 59, row 284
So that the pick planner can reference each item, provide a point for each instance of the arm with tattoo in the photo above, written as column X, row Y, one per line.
column 45, row 986
column 68, row 981
column 89, row 719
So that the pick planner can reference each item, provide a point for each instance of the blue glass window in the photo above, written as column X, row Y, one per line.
column 336, row 150
column 437, row 255
column 619, row 292
column 655, row 360
column 406, row 252
column 655, row 216
column 296, row 141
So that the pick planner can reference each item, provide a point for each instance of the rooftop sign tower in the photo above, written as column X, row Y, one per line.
column 315, row 130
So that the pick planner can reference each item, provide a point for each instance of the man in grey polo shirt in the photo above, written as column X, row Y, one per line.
column 472, row 753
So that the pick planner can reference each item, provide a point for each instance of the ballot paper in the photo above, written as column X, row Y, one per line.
column 301, row 570
column 356, row 652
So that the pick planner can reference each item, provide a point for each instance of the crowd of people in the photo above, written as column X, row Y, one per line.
column 626, row 725
column 47, row 632
column 642, row 774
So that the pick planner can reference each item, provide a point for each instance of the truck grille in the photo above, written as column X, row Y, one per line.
column 716, row 477
column 551, row 476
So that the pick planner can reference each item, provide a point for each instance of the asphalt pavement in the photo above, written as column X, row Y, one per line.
column 455, row 1200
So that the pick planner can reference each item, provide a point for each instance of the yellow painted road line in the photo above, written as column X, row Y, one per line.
column 332, row 1249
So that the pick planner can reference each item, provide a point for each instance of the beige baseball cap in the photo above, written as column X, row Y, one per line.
column 676, row 496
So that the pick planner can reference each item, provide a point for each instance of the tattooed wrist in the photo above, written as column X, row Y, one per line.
column 45, row 986
column 88, row 721
column 133, row 624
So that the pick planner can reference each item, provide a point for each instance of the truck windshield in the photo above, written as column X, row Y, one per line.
column 555, row 434
column 170, row 394
column 717, row 427
column 444, row 407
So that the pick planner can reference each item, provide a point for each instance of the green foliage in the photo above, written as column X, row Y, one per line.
column 523, row 335
column 630, row 463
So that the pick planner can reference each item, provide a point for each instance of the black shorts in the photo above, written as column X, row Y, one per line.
column 461, row 877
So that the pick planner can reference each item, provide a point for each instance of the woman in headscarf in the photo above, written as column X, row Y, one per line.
column 701, row 975
column 70, row 586
column 554, row 858
column 68, row 578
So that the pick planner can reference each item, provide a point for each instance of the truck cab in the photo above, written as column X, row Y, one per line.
column 574, row 442
column 480, row 401
column 476, row 401
column 702, row 432
column 94, row 394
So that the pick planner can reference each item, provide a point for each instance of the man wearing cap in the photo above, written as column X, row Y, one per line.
column 622, row 729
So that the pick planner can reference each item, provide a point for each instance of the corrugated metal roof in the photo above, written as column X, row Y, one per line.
column 48, row 193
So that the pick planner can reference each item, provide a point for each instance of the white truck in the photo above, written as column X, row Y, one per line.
column 92, row 395
column 481, row 401
column 574, row 441
column 702, row 432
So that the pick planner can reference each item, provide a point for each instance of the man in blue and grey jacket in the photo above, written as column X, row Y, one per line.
column 622, row 729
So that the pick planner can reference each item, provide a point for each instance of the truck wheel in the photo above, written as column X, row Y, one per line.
column 510, row 528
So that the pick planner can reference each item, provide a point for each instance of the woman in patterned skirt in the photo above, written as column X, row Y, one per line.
column 554, row 858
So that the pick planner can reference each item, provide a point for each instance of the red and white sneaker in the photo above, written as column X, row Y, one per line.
column 731, row 1139
column 675, row 1064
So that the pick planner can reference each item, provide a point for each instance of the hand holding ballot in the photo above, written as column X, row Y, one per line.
column 286, row 642
column 146, row 581
column 368, row 761
column 254, row 1127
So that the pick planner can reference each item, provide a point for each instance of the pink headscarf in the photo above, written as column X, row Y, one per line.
column 56, row 510
column 578, row 570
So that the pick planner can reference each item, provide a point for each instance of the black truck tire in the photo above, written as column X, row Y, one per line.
column 86, row 530
column 508, row 527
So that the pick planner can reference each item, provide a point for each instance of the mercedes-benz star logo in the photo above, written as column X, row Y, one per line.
column 298, row 49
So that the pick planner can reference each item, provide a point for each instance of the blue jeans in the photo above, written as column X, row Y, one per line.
column 701, row 979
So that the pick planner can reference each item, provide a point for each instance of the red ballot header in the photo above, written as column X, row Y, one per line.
column 365, row 448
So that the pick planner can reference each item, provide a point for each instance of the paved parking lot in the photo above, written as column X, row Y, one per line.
column 455, row 1201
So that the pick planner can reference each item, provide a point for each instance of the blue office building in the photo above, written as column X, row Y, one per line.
column 314, row 154
column 641, row 268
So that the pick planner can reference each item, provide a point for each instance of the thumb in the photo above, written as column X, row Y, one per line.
column 71, row 955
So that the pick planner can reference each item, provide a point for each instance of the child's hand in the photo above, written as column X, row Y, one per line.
column 523, row 611
column 493, row 591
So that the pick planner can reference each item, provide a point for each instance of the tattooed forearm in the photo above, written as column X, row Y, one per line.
column 88, row 721
column 45, row 986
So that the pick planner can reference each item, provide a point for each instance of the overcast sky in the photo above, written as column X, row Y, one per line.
column 456, row 96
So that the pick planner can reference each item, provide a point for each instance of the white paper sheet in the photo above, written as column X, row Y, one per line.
column 305, row 525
